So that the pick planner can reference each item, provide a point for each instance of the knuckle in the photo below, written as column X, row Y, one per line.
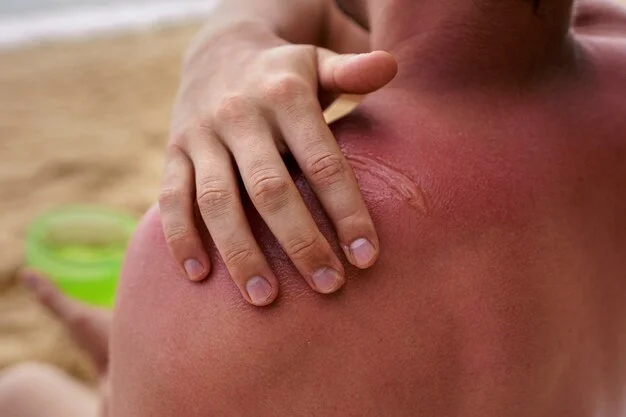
column 326, row 170
column 237, row 254
column 214, row 198
column 286, row 88
column 234, row 108
column 356, row 219
column 303, row 246
column 269, row 190
column 169, row 198
column 175, row 234
column 179, row 138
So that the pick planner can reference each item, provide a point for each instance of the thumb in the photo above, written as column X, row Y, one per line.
column 356, row 73
column 89, row 327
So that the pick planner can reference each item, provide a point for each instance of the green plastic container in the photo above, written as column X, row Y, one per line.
column 81, row 249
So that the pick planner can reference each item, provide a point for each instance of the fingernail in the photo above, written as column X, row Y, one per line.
column 193, row 268
column 326, row 280
column 259, row 290
column 362, row 252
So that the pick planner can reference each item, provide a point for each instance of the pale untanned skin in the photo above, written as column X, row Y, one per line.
column 494, row 167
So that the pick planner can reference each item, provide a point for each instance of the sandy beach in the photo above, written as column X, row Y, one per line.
column 80, row 122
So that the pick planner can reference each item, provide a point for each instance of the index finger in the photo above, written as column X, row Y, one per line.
column 313, row 145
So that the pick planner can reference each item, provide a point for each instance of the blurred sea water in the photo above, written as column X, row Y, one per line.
column 35, row 21
column 21, row 7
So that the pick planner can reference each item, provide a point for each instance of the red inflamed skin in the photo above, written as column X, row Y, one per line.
column 494, row 168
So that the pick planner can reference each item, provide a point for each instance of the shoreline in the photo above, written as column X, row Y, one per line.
column 97, row 22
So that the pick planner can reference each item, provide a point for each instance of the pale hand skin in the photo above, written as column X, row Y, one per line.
column 88, row 326
column 245, row 97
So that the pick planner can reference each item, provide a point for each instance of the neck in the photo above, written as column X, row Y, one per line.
column 453, row 43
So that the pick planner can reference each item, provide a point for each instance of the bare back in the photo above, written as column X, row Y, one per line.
column 499, row 290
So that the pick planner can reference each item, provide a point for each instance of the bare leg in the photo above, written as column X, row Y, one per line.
column 37, row 390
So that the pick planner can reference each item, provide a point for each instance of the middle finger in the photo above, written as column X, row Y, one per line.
column 279, row 203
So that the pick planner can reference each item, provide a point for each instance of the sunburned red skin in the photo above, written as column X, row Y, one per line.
column 499, row 291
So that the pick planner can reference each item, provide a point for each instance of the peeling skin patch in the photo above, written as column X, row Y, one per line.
column 401, row 185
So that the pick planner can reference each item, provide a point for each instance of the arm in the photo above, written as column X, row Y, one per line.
column 325, row 25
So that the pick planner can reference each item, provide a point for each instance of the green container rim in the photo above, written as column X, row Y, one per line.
column 39, row 254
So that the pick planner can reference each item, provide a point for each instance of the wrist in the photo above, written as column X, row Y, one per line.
column 232, row 34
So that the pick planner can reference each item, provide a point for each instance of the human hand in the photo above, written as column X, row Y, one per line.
column 246, row 97
column 89, row 327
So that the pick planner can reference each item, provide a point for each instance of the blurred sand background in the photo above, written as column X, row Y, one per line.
column 80, row 122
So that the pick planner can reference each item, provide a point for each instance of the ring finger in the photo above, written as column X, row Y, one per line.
column 219, row 202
